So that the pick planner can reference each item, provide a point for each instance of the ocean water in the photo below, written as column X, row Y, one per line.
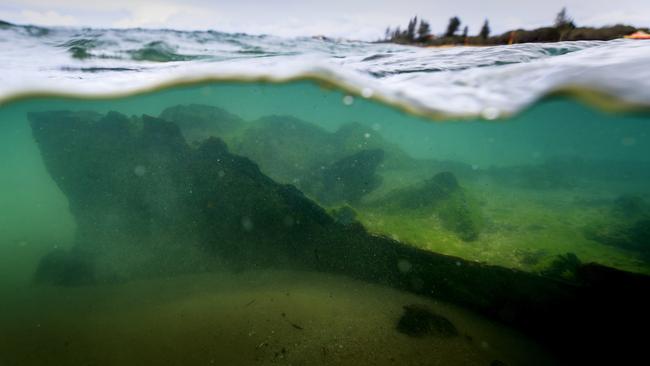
column 206, row 198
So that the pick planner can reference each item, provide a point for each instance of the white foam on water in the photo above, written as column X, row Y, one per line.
column 462, row 81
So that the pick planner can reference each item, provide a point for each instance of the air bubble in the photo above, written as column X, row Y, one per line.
column 247, row 223
column 348, row 100
column 139, row 170
column 404, row 266
column 367, row 92
column 490, row 113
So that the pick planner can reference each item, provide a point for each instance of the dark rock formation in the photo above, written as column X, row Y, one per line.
column 347, row 179
column 61, row 267
column 442, row 195
column 147, row 204
column 634, row 235
column 345, row 215
column 286, row 148
column 429, row 194
column 563, row 267
column 567, row 173
column 627, row 226
column 354, row 137
column 630, row 206
column 552, row 174
column 198, row 122
column 330, row 167
column 419, row 321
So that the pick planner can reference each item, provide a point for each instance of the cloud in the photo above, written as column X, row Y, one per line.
column 143, row 15
column 358, row 19
column 640, row 16
column 48, row 18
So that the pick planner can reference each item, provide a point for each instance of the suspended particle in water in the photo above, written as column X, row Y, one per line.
column 348, row 100
column 367, row 92
column 490, row 113
column 417, row 284
column 376, row 126
column 366, row 135
column 628, row 141
column 475, row 167
column 140, row 170
column 247, row 223
column 288, row 221
column 404, row 266
column 221, row 173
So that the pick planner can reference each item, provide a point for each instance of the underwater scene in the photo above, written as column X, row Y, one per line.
column 259, row 223
column 204, row 198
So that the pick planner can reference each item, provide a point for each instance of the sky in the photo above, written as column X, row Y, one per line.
column 354, row 19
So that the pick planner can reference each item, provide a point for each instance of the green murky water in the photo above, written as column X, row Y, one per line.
column 140, row 233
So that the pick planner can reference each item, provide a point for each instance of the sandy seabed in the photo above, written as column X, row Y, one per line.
column 247, row 318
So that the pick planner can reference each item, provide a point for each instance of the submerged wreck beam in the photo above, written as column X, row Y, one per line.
column 147, row 204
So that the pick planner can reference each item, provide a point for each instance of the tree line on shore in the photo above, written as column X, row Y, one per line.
column 418, row 31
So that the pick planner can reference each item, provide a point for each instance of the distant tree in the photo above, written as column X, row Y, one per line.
column 465, row 31
column 485, row 30
column 564, row 24
column 424, row 30
column 410, row 30
column 452, row 27
column 387, row 34
column 563, row 20
column 397, row 34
